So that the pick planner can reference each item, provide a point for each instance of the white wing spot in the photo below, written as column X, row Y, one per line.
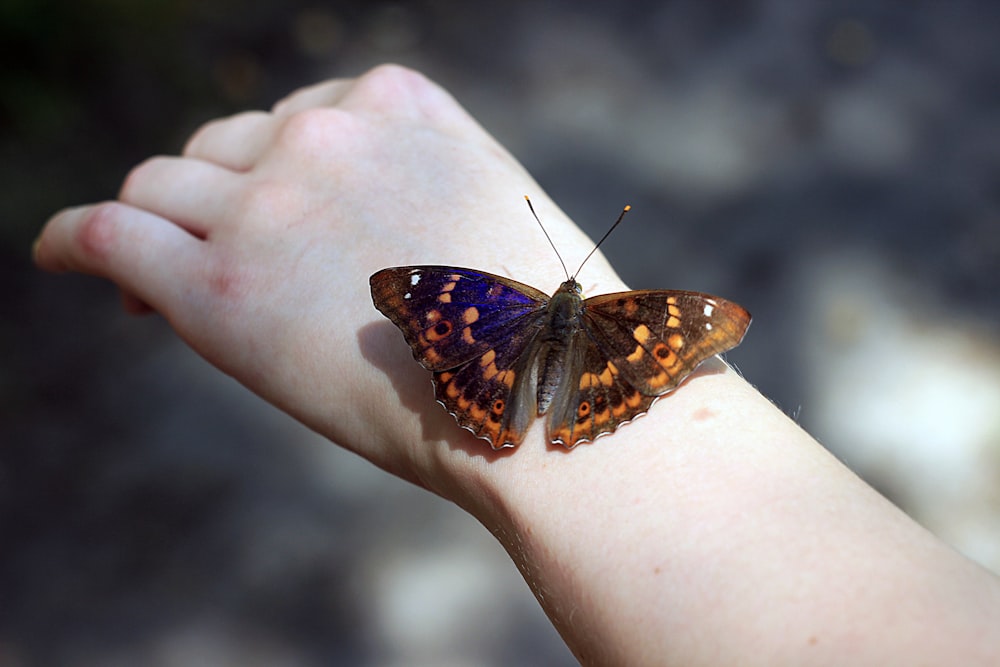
column 407, row 295
column 708, row 326
column 709, row 307
column 414, row 279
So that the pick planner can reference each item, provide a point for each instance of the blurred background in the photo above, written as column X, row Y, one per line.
column 835, row 167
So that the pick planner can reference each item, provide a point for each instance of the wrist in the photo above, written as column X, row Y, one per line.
column 712, row 523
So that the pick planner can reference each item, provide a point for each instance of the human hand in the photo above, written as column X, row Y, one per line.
column 256, row 244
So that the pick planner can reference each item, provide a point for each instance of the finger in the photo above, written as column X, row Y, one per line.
column 192, row 193
column 326, row 94
column 235, row 142
column 139, row 251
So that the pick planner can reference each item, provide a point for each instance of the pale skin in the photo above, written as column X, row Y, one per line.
column 711, row 531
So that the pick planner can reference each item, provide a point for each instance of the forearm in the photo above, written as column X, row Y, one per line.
column 715, row 531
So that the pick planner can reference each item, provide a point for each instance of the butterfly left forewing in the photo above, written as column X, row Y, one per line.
column 471, row 328
column 656, row 338
column 450, row 315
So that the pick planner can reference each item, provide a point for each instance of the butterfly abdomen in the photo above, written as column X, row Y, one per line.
column 554, row 340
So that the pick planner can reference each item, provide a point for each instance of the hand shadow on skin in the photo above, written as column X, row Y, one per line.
column 382, row 345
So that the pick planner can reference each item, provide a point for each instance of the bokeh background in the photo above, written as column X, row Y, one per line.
column 834, row 166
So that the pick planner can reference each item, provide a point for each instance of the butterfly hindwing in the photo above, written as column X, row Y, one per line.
column 597, row 399
column 491, row 396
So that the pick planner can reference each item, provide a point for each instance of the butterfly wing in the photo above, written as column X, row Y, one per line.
column 471, row 328
column 635, row 347
column 595, row 400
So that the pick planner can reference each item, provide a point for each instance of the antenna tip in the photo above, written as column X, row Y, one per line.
column 527, row 198
column 628, row 207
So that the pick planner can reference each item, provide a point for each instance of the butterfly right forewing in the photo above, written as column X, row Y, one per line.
column 656, row 338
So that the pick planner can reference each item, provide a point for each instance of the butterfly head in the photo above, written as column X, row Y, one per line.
column 572, row 287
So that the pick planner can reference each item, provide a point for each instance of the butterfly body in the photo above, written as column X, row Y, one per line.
column 503, row 353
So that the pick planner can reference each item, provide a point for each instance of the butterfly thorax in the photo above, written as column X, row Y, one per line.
column 561, row 326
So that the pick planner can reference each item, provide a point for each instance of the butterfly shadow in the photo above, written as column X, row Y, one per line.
column 381, row 344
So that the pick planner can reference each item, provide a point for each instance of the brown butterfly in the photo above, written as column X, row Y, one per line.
column 503, row 353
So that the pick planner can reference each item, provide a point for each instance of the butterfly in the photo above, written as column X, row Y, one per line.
column 503, row 353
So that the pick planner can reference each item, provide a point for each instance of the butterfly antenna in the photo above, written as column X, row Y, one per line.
column 565, row 270
column 606, row 235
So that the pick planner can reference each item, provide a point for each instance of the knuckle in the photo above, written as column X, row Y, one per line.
column 400, row 91
column 394, row 79
column 139, row 176
column 99, row 232
column 389, row 87
column 212, row 131
column 317, row 129
column 195, row 141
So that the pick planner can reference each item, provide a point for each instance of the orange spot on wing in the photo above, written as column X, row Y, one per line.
column 633, row 400
column 637, row 355
column 603, row 417
column 506, row 377
column 477, row 413
column 440, row 330
column 659, row 380
column 664, row 355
